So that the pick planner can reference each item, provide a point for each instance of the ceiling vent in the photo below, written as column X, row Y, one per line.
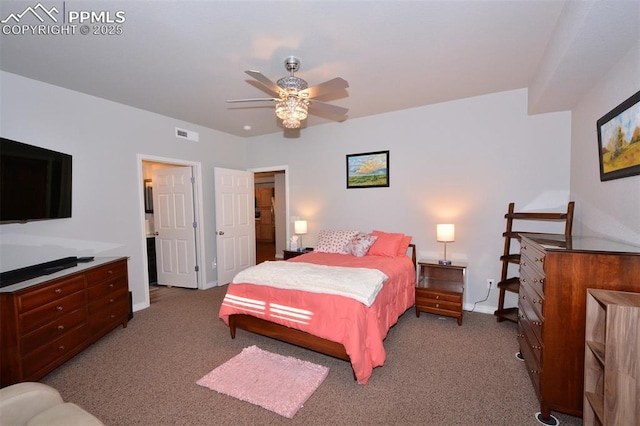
column 187, row 134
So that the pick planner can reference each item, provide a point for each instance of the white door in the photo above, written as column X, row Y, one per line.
column 235, row 222
column 175, row 226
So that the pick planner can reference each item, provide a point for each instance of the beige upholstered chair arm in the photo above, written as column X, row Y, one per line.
column 22, row 401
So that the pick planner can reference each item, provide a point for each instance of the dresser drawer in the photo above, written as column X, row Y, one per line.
column 50, row 292
column 533, row 322
column 532, row 331
column 532, row 257
column 98, row 305
column 431, row 296
column 52, row 331
column 112, row 270
column 531, row 361
column 530, row 278
column 439, row 304
column 109, row 315
column 54, row 350
column 531, row 302
column 38, row 317
column 108, row 289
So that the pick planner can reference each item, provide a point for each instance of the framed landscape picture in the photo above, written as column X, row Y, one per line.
column 368, row 170
column 619, row 140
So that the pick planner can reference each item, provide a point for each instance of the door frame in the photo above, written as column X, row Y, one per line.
column 198, row 196
column 286, row 193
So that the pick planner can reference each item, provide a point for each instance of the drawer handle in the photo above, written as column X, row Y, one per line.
column 538, row 323
column 523, row 263
column 536, row 347
column 437, row 305
column 110, row 285
column 112, row 316
column 57, row 291
column 109, row 271
column 59, row 308
column 522, row 280
column 61, row 348
column 521, row 316
column 534, row 371
column 110, row 300
column 61, row 327
column 540, row 259
column 520, row 335
column 524, row 247
column 537, row 301
column 437, row 297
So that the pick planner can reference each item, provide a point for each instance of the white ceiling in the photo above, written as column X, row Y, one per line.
column 184, row 59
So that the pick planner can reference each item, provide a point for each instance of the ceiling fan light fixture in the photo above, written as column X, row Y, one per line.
column 292, row 111
column 293, row 95
column 292, row 82
column 291, row 123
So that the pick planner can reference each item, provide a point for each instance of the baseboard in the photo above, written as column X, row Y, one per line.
column 482, row 308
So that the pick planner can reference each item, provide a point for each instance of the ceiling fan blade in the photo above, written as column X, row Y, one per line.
column 264, row 80
column 328, row 86
column 329, row 111
column 231, row 101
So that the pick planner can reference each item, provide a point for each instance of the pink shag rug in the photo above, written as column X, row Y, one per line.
column 278, row 383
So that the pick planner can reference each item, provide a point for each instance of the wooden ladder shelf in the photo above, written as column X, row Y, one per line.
column 512, row 283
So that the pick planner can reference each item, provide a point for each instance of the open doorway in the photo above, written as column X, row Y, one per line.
column 158, row 271
column 271, row 212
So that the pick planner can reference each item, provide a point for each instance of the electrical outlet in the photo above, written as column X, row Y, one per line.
column 490, row 283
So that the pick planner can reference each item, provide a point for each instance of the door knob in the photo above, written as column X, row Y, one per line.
column 220, row 232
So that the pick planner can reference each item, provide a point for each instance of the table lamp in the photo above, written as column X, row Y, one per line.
column 300, row 228
column 445, row 233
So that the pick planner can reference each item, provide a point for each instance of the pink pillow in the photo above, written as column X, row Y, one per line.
column 360, row 244
column 404, row 245
column 386, row 245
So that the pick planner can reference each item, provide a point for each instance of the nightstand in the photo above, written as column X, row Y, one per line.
column 440, row 288
column 288, row 254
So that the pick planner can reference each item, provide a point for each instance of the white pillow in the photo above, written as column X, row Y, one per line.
column 334, row 241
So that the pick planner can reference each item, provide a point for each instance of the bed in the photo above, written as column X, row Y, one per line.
column 334, row 324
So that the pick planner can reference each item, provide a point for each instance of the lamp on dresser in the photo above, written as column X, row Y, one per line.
column 445, row 233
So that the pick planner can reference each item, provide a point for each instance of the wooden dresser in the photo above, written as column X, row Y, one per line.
column 47, row 320
column 555, row 273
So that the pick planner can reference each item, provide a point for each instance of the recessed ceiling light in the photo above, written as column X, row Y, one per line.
column 247, row 127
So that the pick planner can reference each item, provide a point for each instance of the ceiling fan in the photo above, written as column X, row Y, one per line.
column 295, row 99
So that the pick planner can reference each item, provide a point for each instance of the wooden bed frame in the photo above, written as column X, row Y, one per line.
column 291, row 335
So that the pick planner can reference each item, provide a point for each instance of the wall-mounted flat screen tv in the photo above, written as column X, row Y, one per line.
column 35, row 183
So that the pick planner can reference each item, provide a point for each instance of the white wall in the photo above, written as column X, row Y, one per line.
column 610, row 208
column 460, row 162
column 105, row 139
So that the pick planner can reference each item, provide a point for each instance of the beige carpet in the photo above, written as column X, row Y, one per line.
column 436, row 373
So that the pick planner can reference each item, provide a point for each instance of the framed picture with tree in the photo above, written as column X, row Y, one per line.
column 619, row 140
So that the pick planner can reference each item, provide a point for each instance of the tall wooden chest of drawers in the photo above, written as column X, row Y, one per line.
column 555, row 274
column 48, row 320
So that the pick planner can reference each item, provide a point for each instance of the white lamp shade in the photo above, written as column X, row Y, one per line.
column 300, row 227
column 445, row 232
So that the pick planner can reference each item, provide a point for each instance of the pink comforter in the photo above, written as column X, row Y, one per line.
column 359, row 329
